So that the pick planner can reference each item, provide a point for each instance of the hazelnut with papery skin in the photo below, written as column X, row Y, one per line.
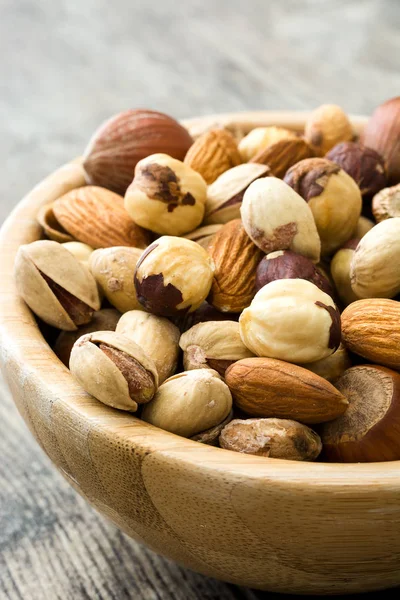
column 326, row 126
column 386, row 204
column 332, row 367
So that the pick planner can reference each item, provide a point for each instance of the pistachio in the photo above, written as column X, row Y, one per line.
column 204, row 235
column 210, row 436
column 55, row 286
column 52, row 228
column 114, row 370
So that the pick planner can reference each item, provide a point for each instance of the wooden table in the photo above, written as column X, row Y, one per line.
column 69, row 64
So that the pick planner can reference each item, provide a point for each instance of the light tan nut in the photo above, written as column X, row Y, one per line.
column 213, row 153
column 158, row 338
column 215, row 345
column 260, row 138
column 210, row 436
column 327, row 126
column 283, row 154
column 340, row 271
column 332, row 367
column 292, row 320
column 114, row 370
column 363, row 226
column 277, row 218
column 272, row 438
column 333, row 196
column 166, row 196
column 55, row 286
column 189, row 403
column 386, row 203
column 80, row 250
column 204, row 235
column 173, row 276
column 225, row 195
column 236, row 259
column 375, row 268
column 264, row 387
column 51, row 227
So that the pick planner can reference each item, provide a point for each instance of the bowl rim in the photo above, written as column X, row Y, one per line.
column 23, row 347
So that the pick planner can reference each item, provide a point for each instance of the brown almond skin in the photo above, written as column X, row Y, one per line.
column 236, row 259
column 213, row 153
column 371, row 329
column 265, row 387
column 284, row 154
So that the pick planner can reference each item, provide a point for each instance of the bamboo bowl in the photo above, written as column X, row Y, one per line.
column 309, row 528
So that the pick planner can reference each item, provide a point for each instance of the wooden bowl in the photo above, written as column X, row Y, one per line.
column 270, row 524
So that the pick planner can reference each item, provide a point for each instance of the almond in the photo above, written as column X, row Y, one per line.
column 371, row 329
column 265, row 387
column 97, row 217
column 284, row 154
column 236, row 259
column 213, row 153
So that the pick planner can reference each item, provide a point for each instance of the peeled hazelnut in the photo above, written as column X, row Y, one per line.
column 363, row 226
column 121, row 142
column 261, row 138
column 204, row 235
column 340, row 271
column 363, row 164
column 80, row 250
column 332, row 367
column 225, row 195
column 114, row 370
column 213, row 153
column 215, row 345
column 113, row 268
column 375, row 268
column 333, row 197
column 283, row 154
column 173, row 276
column 369, row 431
column 382, row 133
column 203, row 314
column 52, row 228
column 189, row 403
column 210, row 436
column 386, row 204
column 158, row 338
column 277, row 218
column 273, row 438
column 103, row 320
column 284, row 264
column 55, row 286
column 292, row 320
column 166, row 196
column 327, row 126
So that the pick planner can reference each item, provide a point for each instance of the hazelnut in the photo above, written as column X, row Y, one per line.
column 375, row 269
column 173, row 276
column 225, row 195
column 166, row 196
column 213, row 153
column 113, row 369
column 363, row 226
column 369, row 431
column 292, row 320
column 386, row 204
column 210, row 436
column 283, row 154
column 284, row 264
column 215, row 345
column 277, row 218
column 331, row 367
column 340, row 271
column 204, row 235
column 333, row 197
column 273, row 438
column 80, row 250
column 326, row 126
column 189, row 403
column 55, row 285
column 157, row 337
column 261, row 138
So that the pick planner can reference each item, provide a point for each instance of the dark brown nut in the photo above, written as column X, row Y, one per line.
column 332, row 367
column 204, row 313
column 340, row 271
column 326, row 126
column 173, row 276
column 52, row 228
column 103, row 320
column 363, row 164
column 284, row 154
column 386, row 204
column 261, row 138
column 210, row 436
column 114, row 370
column 55, row 285
column 121, row 142
column 273, row 438
column 213, row 153
column 284, row 264
column 333, row 196
column 204, row 235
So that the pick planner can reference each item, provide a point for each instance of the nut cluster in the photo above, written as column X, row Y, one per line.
column 222, row 290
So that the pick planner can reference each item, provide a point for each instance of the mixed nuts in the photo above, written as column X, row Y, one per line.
column 236, row 288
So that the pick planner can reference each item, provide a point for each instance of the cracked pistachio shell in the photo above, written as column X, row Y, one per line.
column 210, row 436
column 291, row 320
column 173, row 276
column 158, row 338
column 77, row 295
column 113, row 269
column 166, row 196
column 189, row 403
column 214, row 344
column 103, row 378
column 275, row 217
column 80, row 250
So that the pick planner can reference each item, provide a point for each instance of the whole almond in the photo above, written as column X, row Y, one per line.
column 213, row 153
column 97, row 217
column 236, row 259
column 265, row 387
column 284, row 154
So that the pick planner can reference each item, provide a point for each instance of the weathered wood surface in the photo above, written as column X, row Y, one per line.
column 68, row 65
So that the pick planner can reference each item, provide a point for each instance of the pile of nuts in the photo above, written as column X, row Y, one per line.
column 234, row 289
